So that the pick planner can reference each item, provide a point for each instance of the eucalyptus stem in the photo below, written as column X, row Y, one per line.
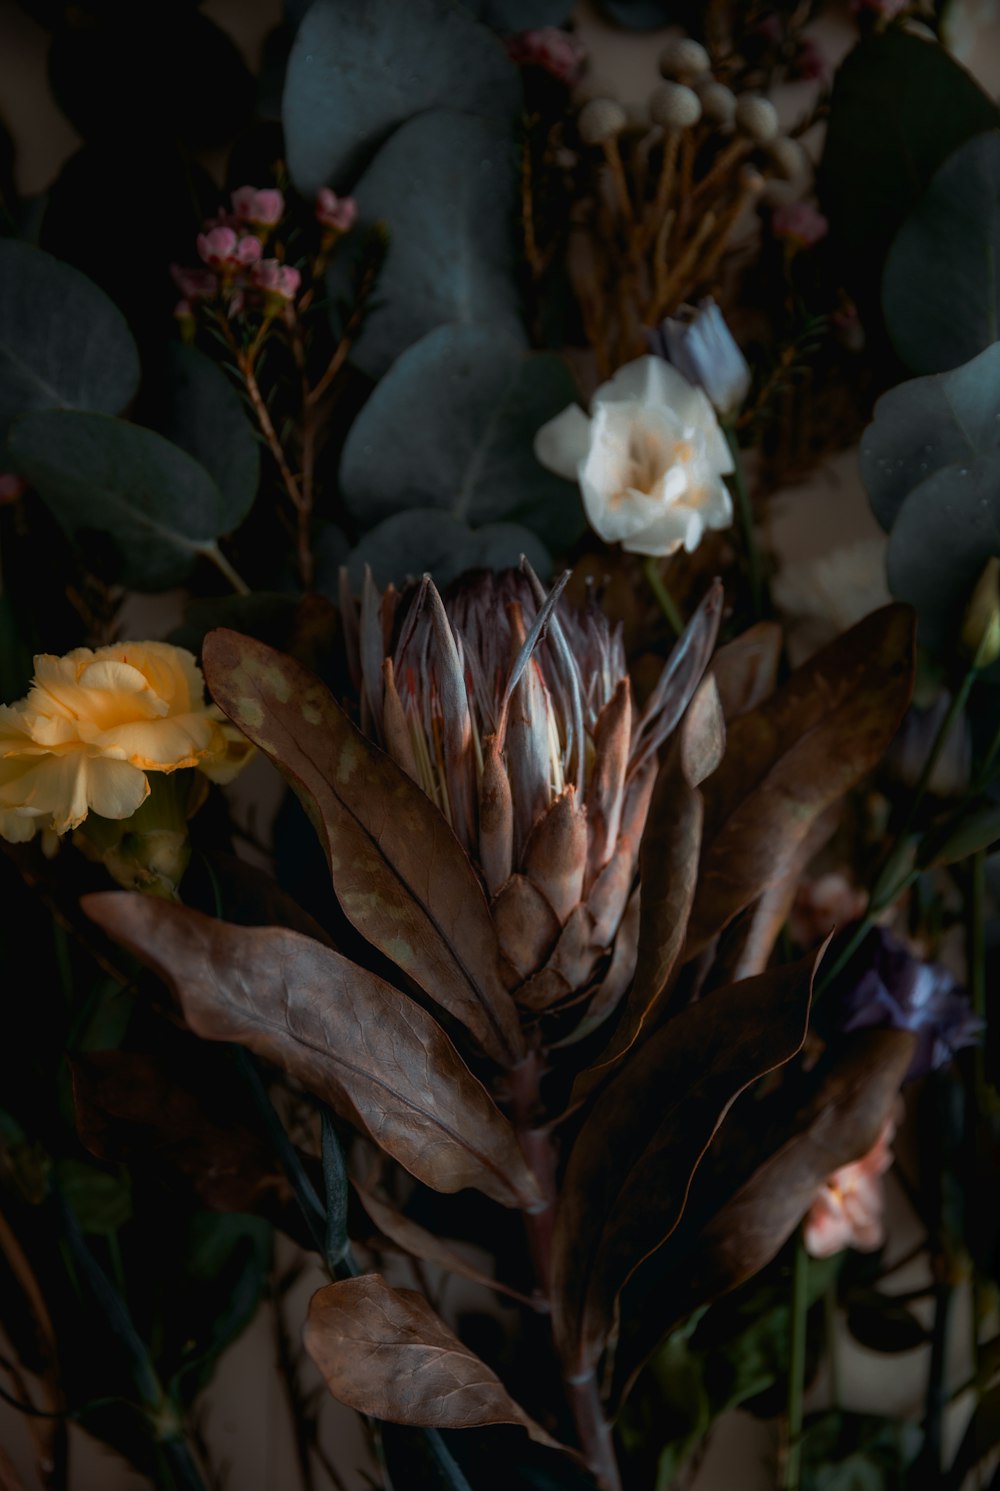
column 222, row 564
column 739, row 486
column 664, row 598
column 797, row 1367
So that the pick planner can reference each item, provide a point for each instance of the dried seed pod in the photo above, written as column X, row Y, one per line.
column 756, row 117
column 674, row 106
column 718, row 103
column 600, row 120
column 684, row 58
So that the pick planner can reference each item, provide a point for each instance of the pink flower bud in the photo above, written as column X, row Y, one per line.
column 12, row 487
column 801, row 223
column 222, row 248
column 217, row 246
column 249, row 250
column 337, row 213
column 263, row 208
column 558, row 52
column 280, row 280
column 195, row 284
column 847, row 1212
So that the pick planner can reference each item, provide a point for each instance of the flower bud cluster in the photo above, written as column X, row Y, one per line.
column 243, row 266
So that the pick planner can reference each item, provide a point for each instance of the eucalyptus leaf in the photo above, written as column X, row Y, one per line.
column 63, row 343
column 154, row 509
column 941, row 288
column 357, row 72
column 900, row 106
column 444, row 185
column 452, row 425
column 947, row 529
column 428, row 541
column 945, row 419
column 202, row 412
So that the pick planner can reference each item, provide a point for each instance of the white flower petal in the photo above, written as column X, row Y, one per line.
column 562, row 444
column 667, row 534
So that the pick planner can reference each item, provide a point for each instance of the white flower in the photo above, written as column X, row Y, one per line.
column 650, row 459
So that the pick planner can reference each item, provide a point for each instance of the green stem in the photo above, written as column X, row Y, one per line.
column 742, row 495
column 797, row 1367
column 940, row 741
column 983, row 775
column 663, row 596
column 977, row 967
column 830, row 1331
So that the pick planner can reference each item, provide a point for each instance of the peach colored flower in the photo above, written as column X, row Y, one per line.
column 92, row 725
column 847, row 1213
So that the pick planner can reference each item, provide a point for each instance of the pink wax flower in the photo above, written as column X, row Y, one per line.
column 811, row 63
column 195, row 284
column 558, row 52
column 847, row 1213
column 800, row 222
column 224, row 248
column 277, row 279
column 12, row 487
column 823, row 905
column 263, row 208
column 337, row 213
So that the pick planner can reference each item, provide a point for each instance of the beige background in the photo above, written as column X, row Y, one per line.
column 245, row 1417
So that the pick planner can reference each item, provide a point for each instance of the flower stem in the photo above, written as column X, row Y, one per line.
column 594, row 1431
column 796, row 1367
column 739, row 486
column 663, row 596
column 236, row 580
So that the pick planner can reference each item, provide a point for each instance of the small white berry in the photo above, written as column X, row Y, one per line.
column 601, row 119
column 757, row 117
column 674, row 106
column 684, row 58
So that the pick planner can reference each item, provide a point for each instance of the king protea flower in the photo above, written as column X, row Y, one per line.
column 514, row 711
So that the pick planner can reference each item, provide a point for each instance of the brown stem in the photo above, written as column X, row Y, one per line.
column 539, row 1149
column 594, row 1430
column 268, row 431
column 49, row 1437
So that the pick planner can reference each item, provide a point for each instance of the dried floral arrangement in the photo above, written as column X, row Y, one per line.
column 487, row 879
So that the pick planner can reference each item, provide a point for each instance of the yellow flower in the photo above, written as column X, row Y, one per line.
column 92, row 725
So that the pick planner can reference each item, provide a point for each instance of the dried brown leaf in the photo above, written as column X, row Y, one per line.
column 400, row 874
column 384, row 1352
column 349, row 1037
column 792, row 757
column 630, row 1168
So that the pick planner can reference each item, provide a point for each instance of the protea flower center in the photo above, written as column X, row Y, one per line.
column 513, row 710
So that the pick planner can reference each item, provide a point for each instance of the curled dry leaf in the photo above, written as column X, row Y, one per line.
column 746, row 1205
column 792, row 757
column 349, row 1037
column 746, row 669
column 399, row 873
column 630, row 1168
column 408, row 1235
column 384, row 1352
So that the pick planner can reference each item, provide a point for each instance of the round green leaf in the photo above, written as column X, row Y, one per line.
column 426, row 541
column 445, row 186
column 63, row 343
column 946, row 530
column 153, row 509
column 921, row 426
column 941, row 288
column 451, row 426
column 357, row 72
column 202, row 412
column 900, row 106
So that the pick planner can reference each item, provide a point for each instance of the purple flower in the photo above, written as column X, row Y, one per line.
column 885, row 987
column 701, row 347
